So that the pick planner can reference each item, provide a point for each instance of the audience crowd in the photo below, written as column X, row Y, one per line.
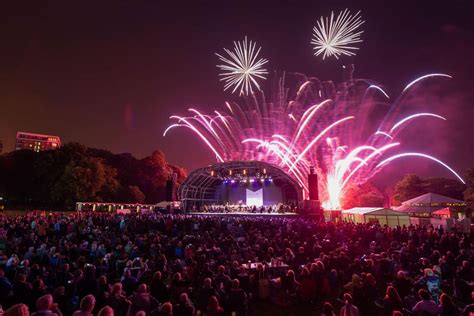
column 85, row 264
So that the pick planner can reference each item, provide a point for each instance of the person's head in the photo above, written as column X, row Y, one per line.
column 87, row 303
column 207, row 282
column 17, row 310
column 183, row 298
column 106, row 311
column 221, row 269
column 167, row 309
column 142, row 288
column 213, row 302
column 347, row 298
column 392, row 294
column 44, row 302
column 140, row 313
column 127, row 273
column 328, row 309
column 424, row 295
column 117, row 288
column 157, row 275
column 397, row 313
column 103, row 280
column 446, row 300
column 235, row 283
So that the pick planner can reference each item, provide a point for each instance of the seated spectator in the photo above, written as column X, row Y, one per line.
column 185, row 307
column 86, row 307
column 117, row 301
column 166, row 309
column 447, row 307
column 426, row 305
column 17, row 310
column 46, row 307
column 106, row 311
column 143, row 301
column 327, row 310
column 348, row 308
column 213, row 308
column 237, row 299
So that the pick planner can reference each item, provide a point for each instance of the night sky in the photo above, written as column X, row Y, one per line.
column 108, row 74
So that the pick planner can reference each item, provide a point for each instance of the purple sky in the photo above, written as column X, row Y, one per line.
column 109, row 73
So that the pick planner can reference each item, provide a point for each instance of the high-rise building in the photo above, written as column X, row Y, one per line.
column 36, row 142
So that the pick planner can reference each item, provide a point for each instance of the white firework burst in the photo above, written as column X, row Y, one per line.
column 242, row 68
column 335, row 37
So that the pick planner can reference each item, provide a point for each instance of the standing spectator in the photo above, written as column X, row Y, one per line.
column 17, row 310
column 86, row 307
column 106, row 311
column 5, row 287
column 391, row 301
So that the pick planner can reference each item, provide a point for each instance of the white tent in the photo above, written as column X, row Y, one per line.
column 383, row 216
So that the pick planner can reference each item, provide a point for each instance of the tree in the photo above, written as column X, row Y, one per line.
column 447, row 187
column 365, row 195
column 134, row 195
column 408, row 187
column 469, row 192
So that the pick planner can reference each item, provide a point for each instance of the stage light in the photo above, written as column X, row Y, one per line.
column 245, row 171
column 244, row 181
column 264, row 171
column 212, row 173
column 230, row 172
column 232, row 181
column 252, row 180
column 262, row 180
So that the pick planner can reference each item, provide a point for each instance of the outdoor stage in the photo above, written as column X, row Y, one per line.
column 242, row 214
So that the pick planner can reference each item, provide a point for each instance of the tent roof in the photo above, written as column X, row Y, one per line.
column 372, row 210
column 430, row 198
column 443, row 211
column 428, row 203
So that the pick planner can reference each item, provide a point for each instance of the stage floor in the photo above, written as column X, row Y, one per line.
column 244, row 214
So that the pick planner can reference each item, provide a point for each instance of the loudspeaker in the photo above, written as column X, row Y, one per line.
column 313, row 187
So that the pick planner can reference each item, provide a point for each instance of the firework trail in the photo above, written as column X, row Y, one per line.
column 331, row 128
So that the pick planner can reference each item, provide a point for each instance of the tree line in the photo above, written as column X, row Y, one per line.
column 57, row 179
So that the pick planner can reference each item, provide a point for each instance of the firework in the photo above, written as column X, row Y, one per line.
column 337, row 36
column 242, row 68
column 321, row 127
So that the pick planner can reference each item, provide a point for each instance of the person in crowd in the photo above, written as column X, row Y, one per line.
column 426, row 305
column 392, row 301
column 106, row 311
column 46, row 307
column 117, row 300
column 86, row 307
column 348, row 309
column 185, row 307
column 143, row 301
column 447, row 307
column 237, row 299
column 213, row 307
column 17, row 310
column 327, row 310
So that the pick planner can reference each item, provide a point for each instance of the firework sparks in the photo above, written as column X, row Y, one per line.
column 336, row 36
column 288, row 133
column 242, row 68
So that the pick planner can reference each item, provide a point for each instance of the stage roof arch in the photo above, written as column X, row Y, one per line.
column 201, row 185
